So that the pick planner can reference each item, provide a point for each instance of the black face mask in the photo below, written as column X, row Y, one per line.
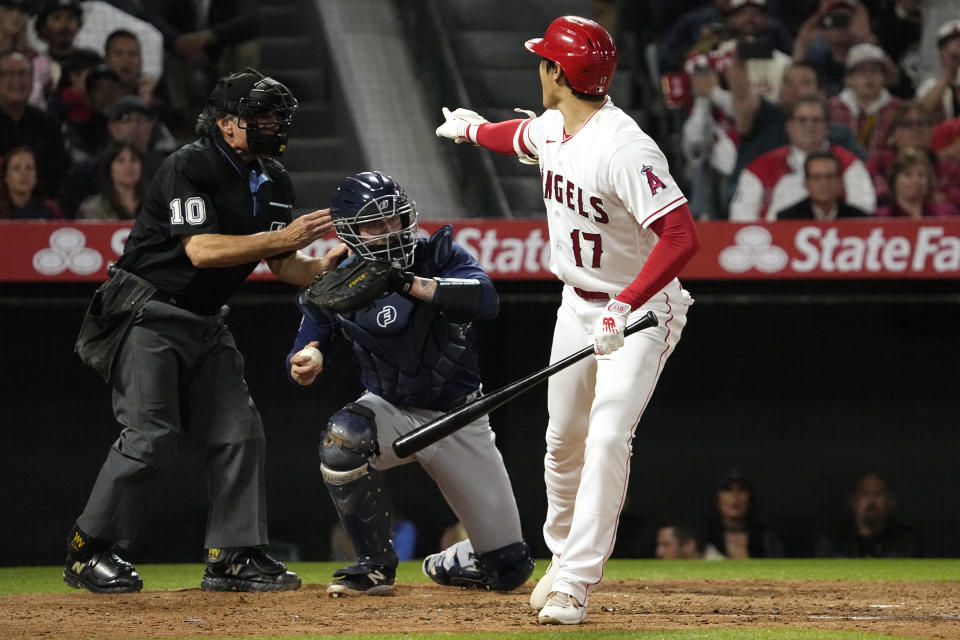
column 268, row 96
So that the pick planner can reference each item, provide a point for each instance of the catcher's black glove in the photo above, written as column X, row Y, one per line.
column 356, row 286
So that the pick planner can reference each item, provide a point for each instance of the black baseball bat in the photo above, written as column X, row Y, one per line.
column 425, row 435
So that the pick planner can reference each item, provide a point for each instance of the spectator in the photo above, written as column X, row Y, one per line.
column 128, row 120
column 761, row 125
column 57, row 24
column 68, row 102
column 912, row 129
column 910, row 189
column 945, row 140
column 22, row 124
column 865, row 106
column 896, row 24
column 763, row 42
column 100, row 19
column 14, row 15
column 941, row 94
column 821, row 179
column 121, row 185
column 201, row 47
column 122, row 54
column 825, row 38
column 707, row 142
column 774, row 181
column 734, row 529
column 20, row 192
column 693, row 26
column 84, row 139
column 678, row 541
column 871, row 532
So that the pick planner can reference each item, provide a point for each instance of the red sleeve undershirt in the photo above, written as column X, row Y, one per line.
column 677, row 244
column 678, row 240
column 498, row 136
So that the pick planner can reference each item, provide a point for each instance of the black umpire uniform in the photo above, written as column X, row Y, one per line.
column 156, row 332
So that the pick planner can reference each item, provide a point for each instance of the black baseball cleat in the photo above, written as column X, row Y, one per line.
column 246, row 569
column 363, row 580
column 104, row 572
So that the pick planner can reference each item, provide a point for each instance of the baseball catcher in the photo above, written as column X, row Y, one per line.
column 405, row 304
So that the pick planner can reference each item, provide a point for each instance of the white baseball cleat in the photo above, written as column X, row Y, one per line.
column 538, row 599
column 562, row 608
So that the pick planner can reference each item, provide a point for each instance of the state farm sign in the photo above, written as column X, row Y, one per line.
column 850, row 249
column 520, row 249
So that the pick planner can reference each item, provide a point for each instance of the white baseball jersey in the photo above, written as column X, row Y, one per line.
column 602, row 188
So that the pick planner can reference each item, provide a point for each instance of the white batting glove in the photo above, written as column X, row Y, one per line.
column 458, row 125
column 608, row 332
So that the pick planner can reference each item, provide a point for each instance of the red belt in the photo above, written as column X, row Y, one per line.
column 591, row 295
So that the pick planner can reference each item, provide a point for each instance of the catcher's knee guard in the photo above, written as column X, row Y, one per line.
column 501, row 569
column 356, row 488
column 508, row 567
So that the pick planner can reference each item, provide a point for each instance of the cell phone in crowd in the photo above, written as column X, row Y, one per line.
column 753, row 47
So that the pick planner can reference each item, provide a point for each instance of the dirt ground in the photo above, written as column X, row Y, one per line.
column 913, row 609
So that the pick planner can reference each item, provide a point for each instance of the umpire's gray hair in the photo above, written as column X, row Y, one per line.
column 207, row 121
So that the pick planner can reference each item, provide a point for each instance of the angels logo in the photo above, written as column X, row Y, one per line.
column 653, row 180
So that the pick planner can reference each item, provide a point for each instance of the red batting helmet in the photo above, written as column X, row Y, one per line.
column 583, row 49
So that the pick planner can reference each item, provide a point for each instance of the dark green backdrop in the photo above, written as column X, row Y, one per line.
column 800, row 385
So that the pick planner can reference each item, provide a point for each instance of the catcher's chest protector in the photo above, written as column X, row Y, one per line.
column 410, row 355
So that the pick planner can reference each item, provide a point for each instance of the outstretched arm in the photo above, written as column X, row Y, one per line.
column 463, row 125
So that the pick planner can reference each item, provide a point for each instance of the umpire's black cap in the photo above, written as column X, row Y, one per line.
column 231, row 89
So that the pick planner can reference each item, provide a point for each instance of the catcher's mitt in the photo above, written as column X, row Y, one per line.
column 351, row 287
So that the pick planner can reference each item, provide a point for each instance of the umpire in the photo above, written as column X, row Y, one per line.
column 155, row 331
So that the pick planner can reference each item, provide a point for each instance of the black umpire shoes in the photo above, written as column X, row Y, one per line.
column 362, row 580
column 104, row 572
column 247, row 569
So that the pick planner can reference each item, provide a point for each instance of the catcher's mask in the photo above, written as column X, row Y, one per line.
column 371, row 197
column 264, row 105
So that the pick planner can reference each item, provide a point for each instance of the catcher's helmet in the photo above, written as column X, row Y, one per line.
column 373, row 196
column 249, row 95
column 583, row 49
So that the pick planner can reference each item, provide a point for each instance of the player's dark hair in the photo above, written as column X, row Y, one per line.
column 821, row 155
column 119, row 33
column 589, row 97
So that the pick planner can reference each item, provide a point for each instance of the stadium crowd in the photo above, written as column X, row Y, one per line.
column 95, row 94
column 755, row 88
column 813, row 109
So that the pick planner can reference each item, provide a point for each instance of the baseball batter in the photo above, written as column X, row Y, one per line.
column 620, row 231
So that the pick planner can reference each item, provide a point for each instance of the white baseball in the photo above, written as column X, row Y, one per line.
column 313, row 353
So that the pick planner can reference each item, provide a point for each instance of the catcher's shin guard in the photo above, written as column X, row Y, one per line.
column 362, row 505
column 357, row 488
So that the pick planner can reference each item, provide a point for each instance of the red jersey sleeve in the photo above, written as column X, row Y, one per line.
column 677, row 244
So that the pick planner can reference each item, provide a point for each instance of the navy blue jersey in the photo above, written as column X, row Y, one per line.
column 409, row 353
column 204, row 188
